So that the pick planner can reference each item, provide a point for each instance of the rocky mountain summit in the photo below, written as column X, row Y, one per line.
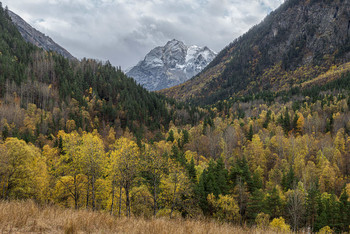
column 171, row 65
column 37, row 38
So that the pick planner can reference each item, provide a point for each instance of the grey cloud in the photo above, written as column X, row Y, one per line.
column 123, row 31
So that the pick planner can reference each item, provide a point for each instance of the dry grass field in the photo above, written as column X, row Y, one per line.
column 27, row 217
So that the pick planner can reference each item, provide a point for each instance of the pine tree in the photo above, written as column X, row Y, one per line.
column 171, row 136
column 221, row 177
column 273, row 204
column 289, row 179
column 295, row 121
column 255, row 204
column 192, row 171
column 286, row 121
column 329, row 124
column 267, row 119
column 312, row 205
column 327, row 211
column 343, row 222
column 250, row 133
column 240, row 170
column 185, row 138
column 257, row 181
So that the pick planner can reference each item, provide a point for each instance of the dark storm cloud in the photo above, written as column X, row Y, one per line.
column 123, row 31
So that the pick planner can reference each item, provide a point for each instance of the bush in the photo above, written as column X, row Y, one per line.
column 279, row 225
column 262, row 220
column 326, row 230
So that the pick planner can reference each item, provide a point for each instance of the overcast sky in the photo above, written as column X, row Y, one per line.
column 124, row 31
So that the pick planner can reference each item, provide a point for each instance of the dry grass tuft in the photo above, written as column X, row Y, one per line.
column 27, row 217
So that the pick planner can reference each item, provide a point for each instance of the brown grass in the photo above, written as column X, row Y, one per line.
column 27, row 217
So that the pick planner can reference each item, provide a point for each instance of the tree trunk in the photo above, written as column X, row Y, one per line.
column 154, row 198
column 3, row 190
column 120, row 200
column 87, row 195
column 127, row 201
column 93, row 192
column 75, row 192
column 174, row 197
column 112, row 205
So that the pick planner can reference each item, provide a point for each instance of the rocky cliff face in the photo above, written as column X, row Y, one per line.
column 295, row 43
column 171, row 65
column 37, row 38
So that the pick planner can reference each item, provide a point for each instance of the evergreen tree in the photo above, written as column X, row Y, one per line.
column 221, row 175
column 185, row 138
column 257, row 182
column 213, row 180
column 286, row 121
column 312, row 205
column 255, row 205
column 192, row 171
column 295, row 121
column 250, row 133
column 240, row 170
column 289, row 179
column 171, row 136
column 329, row 124
column 327, row 212
column 343, row 223
column 273, row 204
column 267, row 119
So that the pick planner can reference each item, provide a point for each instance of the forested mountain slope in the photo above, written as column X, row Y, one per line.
column 297, row 42
column 72, row 94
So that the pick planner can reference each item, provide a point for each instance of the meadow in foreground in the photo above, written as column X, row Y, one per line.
column 27, row 217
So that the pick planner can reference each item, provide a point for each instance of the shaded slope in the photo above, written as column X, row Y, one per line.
column 295, row 43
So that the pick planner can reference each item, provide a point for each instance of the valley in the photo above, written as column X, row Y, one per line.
column 257, row 142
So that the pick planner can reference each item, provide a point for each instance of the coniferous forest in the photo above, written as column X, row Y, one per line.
column 82, row 135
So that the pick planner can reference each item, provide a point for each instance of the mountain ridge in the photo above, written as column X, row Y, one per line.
column 34, row 36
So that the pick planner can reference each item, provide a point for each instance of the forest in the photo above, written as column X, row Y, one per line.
column 82, row 135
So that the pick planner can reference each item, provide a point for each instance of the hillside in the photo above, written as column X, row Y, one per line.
column 170, row 65
column 85, row 94
column 297, row 42
column 37, row 38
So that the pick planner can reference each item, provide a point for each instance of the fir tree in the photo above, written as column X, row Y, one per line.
column 171, row 136
column 250, row 133
column 255, row 204
column 286, row 121
column 289, row 179
column 192, row 171
column 312, row 205
column 343, row 222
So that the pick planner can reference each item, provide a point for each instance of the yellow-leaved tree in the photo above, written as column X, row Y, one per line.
column 123, row 168
column 93, row 159
column 73, row 181
column 23, row 172
column 174, row 186
column 154, row 168
column 225, row 207
column 279, row 225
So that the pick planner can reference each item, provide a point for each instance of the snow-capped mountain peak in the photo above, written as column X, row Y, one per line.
column 167, row 66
